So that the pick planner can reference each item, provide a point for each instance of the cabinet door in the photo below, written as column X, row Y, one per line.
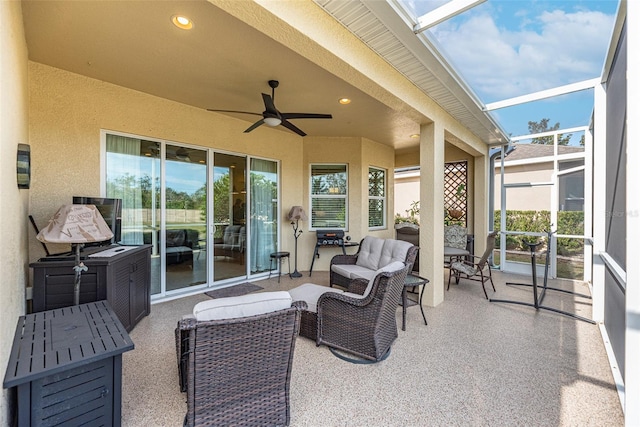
column 140, row 286
column 119, row 297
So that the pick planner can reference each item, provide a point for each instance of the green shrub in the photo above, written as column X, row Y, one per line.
column 569, row 222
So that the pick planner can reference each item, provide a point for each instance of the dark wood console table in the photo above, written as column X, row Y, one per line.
column 67, row 366
column 123, row 279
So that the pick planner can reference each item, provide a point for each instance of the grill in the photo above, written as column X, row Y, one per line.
column 330, row 237
column 326, row 238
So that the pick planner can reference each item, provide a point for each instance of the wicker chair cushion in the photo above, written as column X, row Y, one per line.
column 309, row 293
column 242, row 306
column 353, row 271
column 467, row 269
column 370, row 253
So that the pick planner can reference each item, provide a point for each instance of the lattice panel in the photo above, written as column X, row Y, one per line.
column 455, row 193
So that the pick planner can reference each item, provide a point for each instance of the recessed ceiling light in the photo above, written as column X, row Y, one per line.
column 415, row 135
column 182, row 22
column 344, row 101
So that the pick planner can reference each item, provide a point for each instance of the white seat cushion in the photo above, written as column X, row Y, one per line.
column 352, row 271
column 309, row 293
column 242, row 306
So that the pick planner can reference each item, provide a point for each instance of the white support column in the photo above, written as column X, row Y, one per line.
column 481, row 224
column 599, row 200
column 632, row 334
column 432, row 211
column 587, row 275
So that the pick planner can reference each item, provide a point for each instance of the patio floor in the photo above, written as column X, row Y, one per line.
column 476, row 363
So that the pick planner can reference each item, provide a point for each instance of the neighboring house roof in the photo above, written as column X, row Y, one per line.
column 529, row 151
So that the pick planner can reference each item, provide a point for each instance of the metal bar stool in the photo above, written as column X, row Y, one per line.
column 278, row 256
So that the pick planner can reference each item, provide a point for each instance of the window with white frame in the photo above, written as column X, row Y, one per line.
column 329, row 196
column 377, row 198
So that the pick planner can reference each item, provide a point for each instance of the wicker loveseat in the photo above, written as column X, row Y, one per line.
column 235, row 357
column 373, row 253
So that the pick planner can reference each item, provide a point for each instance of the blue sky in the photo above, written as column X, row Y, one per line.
column 508, row 48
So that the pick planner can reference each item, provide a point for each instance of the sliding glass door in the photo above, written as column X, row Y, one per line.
column 264, row 213
column 229, row 207
column 210, row 217
column 185, row 196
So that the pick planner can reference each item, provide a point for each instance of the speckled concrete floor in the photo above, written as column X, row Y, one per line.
column 477, row 363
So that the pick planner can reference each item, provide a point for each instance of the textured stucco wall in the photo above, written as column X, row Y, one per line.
column 408, row 188
column 68, row 110
column 381, row 156
column 14, row 202
column 329, row 150
column 525, row 198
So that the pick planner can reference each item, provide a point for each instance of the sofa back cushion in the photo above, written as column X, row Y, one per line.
column 242, row 306
column 370, row 252
column 393, row 250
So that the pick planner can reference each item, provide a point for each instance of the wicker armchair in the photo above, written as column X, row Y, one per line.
column 237, row 371
column 365, row 327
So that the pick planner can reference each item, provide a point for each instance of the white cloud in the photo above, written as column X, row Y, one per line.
column 532, row 54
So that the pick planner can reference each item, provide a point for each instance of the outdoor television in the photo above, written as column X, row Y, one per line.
column 111, row 211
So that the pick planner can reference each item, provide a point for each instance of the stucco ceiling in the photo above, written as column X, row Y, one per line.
column 222, row 63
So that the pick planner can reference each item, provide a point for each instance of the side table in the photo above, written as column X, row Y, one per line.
column 278, row 257
column 411, row 281
column 67, row 366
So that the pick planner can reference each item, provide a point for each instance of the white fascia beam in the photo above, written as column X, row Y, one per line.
column 444, row 12
column 394, row 17
column 549, row 133
column 543, row 94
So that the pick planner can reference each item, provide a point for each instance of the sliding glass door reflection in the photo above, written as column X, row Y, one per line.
column 185, row 217
column 229, row 207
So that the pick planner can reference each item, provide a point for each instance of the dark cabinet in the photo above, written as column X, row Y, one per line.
column 123, row 279
column 67, row 366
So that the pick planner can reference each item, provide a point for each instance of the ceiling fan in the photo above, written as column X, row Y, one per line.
column 272, row 117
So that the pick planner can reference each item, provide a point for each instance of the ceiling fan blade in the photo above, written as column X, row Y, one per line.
column 305, row 116
column 293, row 128
column 255, row 125
column 233, row 111
column 269, row 106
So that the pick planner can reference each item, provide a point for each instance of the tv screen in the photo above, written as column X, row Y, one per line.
column 111, row 211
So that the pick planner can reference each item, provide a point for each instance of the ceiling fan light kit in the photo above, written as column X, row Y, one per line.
column 272, row 121
column 272, row 117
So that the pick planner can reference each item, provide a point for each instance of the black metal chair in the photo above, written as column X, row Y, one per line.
column 479, row 271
